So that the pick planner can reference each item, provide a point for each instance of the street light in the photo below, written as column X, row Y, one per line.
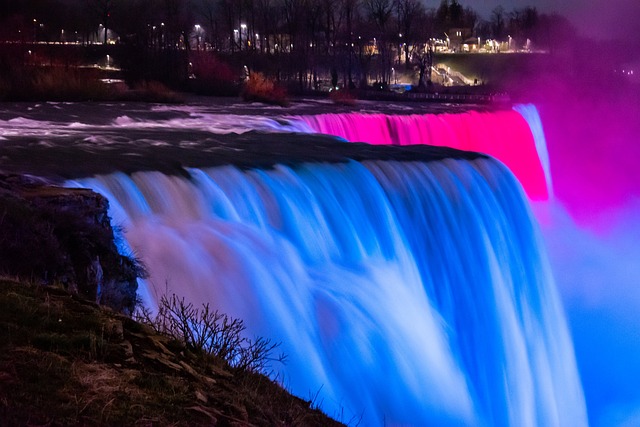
column 198, row 32
column 243, row 32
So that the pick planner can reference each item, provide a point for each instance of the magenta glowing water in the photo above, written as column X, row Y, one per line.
column 505, row 135
column 403, row 293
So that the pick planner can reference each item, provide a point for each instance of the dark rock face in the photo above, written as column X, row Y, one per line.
column 63, row 236
column 71, row 157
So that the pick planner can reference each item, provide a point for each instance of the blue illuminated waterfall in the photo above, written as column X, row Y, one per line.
column 405, row 293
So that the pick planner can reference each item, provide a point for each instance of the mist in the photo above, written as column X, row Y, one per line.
column 596, row 19
column 588, row 96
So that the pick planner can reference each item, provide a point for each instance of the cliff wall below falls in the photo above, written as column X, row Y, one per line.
column 61, row 236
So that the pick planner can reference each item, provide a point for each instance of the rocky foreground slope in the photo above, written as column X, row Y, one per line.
column 66, row 360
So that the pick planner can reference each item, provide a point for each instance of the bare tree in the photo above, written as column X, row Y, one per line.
column 380, row 13
column 442, row 18
column 522, row 23
column 207, row 11
column 498, row 23
column 294, row 16
column 350, row 9
column 409, row 13
column 470, row 18
column 228, row 16
column 101, row 13
column 176, row 23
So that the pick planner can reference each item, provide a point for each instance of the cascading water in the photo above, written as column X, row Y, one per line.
column 513, row 137
column 407, row 293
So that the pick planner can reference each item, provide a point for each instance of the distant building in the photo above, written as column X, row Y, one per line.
column 472, row 44
column 457, row 36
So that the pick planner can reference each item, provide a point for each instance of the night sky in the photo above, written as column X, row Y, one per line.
column 601, row 19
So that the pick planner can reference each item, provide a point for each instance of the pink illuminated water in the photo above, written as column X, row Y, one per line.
column 505, row 135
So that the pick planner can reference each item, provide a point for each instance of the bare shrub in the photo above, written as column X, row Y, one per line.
column 264, row 89
column 213, row 76
column 150, row 91
column 31, row 81
column 343, row 97
column 211, row 332
column 58, row 84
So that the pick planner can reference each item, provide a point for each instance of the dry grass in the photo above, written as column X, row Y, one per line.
column 59, row 83
column 96, row 367
column 30, row 83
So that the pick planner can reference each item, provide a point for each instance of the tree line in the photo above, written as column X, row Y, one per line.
column 293, row 39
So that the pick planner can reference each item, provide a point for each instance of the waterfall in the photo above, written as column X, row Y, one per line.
column 514, row 137
column 404, row 293
column 530, row 113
